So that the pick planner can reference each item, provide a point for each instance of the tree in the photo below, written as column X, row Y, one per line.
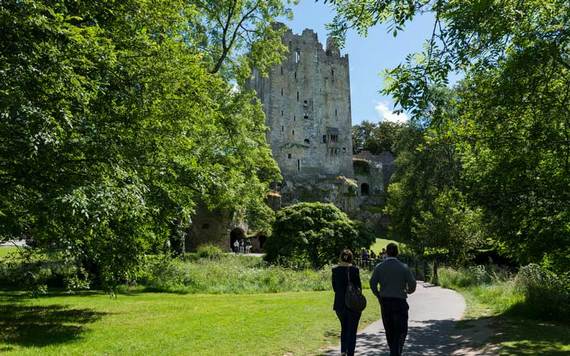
column 314, row 233
column 113, row 128
column 512, row 120
column 235, row 35
column 376, row 138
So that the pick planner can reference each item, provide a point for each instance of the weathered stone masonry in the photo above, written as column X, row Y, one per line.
column 306, row 100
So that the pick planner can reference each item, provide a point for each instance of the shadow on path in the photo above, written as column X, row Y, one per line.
column 42, row 325
column 431, row 337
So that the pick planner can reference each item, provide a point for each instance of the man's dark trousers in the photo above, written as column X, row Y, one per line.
column 349, row 326
column 395, row 320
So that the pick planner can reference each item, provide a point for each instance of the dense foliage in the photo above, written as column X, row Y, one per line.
column 314, row 233
column 376, row 137
column 114, row 124
column 508, row 122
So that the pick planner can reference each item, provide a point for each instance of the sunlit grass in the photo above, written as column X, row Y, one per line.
column 382, row 243
column 5, row 251
column 170, row 324
column 503, row 306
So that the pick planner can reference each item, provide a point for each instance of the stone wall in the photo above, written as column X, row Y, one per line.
column 213, row 227
column 306, row 100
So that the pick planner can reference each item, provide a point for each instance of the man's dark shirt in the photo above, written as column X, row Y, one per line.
column 395, row 279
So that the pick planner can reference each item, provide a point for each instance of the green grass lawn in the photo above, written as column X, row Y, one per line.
column 299, row 323
column 6, row 250
column 382, row 243
column 514, row 334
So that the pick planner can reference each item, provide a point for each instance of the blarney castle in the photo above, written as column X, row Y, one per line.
column 306, row 100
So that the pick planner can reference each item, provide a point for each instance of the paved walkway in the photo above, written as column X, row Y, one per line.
column 433, row 316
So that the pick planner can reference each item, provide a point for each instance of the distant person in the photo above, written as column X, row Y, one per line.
column 396, row 282
column 241, row 246
column 348, row 318
column 372, row 255
column 365, row 256
column 236, row 246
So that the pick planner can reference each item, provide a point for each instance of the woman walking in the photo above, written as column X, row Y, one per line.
column 343, row 274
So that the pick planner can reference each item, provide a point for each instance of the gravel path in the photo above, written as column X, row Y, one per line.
column 432, row 330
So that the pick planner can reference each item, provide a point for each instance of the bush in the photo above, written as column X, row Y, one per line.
column 547, row 292
column 313, row 233
column 35, row 272
column 209, row 251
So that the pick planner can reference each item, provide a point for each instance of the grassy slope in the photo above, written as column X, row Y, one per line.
column 6, row 250
column 514, row 333
column 154, row 323
column 382, row 243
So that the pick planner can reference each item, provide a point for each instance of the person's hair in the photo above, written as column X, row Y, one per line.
column 346, row 256
column 392, row 249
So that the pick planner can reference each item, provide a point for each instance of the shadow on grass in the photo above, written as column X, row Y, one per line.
column 42, row 325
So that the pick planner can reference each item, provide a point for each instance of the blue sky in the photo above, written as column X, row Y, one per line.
column 368, row 56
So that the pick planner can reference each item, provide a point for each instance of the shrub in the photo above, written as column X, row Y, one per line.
column 314, row 233
column 35, row 272
column 547, row 292
column 209, row 251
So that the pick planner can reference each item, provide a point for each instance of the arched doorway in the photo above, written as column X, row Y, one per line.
column 262, row 239
column 364, row 189
column 236, row 235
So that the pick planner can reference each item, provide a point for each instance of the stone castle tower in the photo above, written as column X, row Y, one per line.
column 306, row 101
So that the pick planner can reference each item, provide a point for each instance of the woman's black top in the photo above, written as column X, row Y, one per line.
column 340, row 282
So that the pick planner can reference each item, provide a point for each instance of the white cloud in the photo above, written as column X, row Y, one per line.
column 386, row 114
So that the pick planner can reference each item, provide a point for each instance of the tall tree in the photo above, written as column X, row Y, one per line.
column 113, row 127
column 513, row 118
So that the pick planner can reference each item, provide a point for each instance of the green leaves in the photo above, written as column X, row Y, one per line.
column 112, row 128
column 314, row 233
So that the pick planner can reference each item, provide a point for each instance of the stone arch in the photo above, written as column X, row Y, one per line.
column 364, row 189
column 235, row 235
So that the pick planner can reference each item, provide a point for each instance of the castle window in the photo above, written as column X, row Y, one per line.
column 324, row 138
column 289, row 155
column 364, row 189
column 281, row 112
column 334, row 138
column 297, row 96
column 307, row 141
column 297, row 56
column 282, row 128
column 335, row 112
column 281, row 91
column 281, row 70
column 305, row 102
column 344, row 149
column 295, row 74
column 293, row 132
column 298, row 165
column 332, row 73
column 305, row 115
column 294, row 118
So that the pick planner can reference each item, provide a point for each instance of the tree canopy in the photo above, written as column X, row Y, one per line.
column 114, row 124
column 509, row 119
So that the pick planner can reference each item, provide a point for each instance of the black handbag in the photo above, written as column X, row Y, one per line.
column 353, row 297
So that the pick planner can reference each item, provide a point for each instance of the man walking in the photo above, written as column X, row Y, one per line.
column 396, row 282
